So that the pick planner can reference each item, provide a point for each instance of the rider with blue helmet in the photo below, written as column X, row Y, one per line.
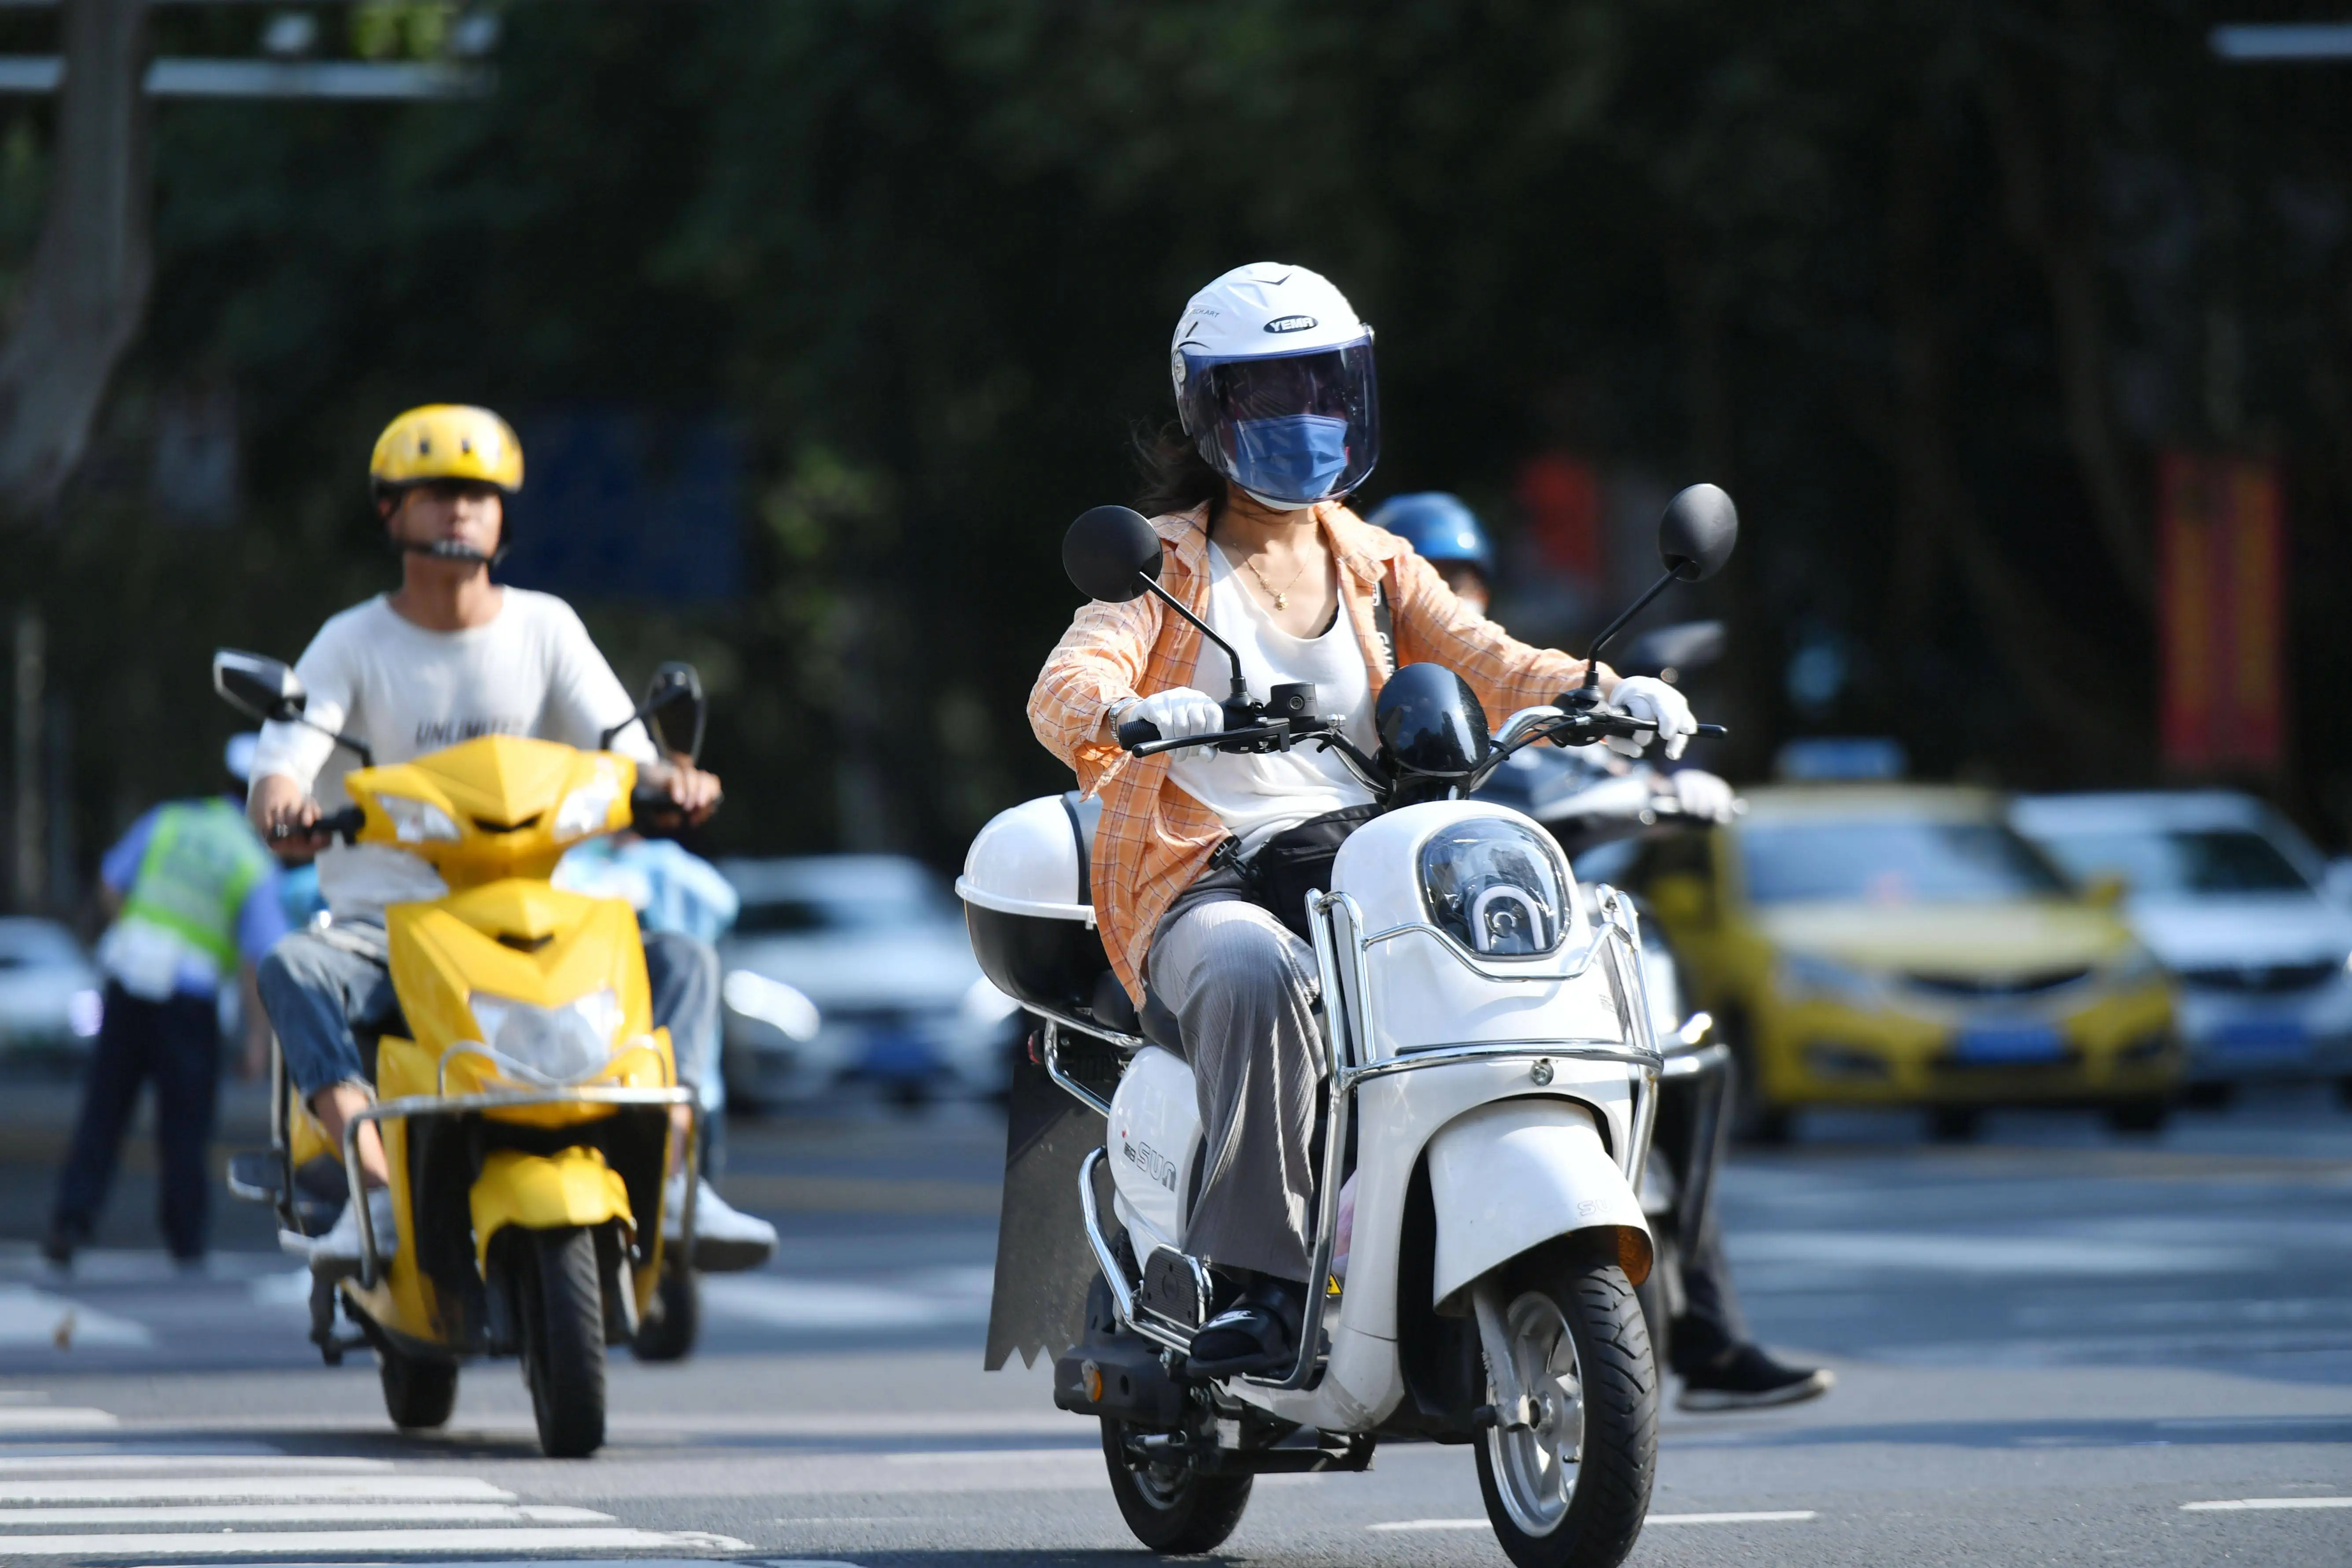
column 1446, row 534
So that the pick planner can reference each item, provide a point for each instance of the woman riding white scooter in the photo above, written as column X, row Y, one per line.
column 1707, row 1347
column 1279, row 422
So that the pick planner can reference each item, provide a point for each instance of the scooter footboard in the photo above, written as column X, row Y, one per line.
column 1515, row 1173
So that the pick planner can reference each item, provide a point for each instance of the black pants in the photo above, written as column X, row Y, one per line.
column 176, row 1044
column 1710, row 1321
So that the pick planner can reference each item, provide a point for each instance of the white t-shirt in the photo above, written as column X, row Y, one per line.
column 1257, row 796
column 405, row 691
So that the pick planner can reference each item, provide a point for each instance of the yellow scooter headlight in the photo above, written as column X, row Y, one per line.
column 549, row 1045
column 418, row 821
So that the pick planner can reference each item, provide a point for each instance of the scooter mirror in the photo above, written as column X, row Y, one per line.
column 1106, row 549
column 258, row 685
column 1696, row 536
column 674, row 710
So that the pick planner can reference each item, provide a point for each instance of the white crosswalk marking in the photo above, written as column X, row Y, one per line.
column 102, row 1501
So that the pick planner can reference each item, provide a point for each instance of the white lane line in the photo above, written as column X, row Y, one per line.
column 260, row 1489
column 30, row 1316
column 1767, row 1516
column 997, row 1456
column 54, row 1419
column 1758, row 1516
column 306, row 1513
column 780, row 1303
column 304, row 1542
column 2256, row 1504
column 123, row 1464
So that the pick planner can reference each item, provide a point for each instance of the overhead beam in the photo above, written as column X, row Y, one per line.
column 351, row 81
column 2272, row 42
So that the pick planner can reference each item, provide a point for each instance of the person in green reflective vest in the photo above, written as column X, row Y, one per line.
column 195, row 901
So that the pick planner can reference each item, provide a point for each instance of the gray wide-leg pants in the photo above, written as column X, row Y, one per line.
column 1242, row 987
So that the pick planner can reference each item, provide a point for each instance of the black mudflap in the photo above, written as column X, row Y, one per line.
column 1042, row 1261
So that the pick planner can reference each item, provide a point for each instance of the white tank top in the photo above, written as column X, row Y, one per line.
column 1258, row 797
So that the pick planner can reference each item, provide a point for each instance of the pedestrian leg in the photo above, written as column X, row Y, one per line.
column 187, row 1087
column 118, row 1063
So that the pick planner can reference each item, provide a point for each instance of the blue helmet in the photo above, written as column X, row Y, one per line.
column 1438, row 527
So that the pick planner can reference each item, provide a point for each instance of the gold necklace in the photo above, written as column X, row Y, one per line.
column 1282, row 594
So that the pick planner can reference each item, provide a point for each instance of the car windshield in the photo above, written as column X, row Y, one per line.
column 1891, row 861
column 884, row 909
column 2178, row 859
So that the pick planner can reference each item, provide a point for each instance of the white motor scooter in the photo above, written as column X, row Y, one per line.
column 1489, row 1073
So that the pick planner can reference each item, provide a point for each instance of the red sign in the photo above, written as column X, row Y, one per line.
column 1560, row 498
column 2222, row 612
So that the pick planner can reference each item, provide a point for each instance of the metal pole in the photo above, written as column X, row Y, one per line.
column 29, row 879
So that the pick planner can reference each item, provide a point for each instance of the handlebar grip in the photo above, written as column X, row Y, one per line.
column 341, row 824
column 1714, row 731
column 1137, row 732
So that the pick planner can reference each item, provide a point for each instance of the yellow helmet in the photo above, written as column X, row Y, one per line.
column 446, row 441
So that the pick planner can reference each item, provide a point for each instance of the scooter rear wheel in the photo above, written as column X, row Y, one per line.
column 417, row 1393
column 563, row 1340
column 1172, row 1509
column 669, row 1333
column 1572, row 1491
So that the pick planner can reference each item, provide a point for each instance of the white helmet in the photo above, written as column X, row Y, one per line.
column 1273, row 382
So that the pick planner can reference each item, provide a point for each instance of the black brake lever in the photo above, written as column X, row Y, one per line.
column 1254, row 734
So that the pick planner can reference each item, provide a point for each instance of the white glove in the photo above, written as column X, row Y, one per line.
column 1645, row 696
column 1179, row 713
column 1703, row 796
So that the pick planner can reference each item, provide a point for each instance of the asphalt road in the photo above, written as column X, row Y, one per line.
column 2055, row 1346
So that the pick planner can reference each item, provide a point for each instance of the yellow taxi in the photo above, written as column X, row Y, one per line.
column 1899, row 944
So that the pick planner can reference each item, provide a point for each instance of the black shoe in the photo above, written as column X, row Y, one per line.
column 1255, row 1334
column 1745, row 1378
column 58, row 1246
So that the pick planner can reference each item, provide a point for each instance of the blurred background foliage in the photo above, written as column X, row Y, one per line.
column 1927, row 285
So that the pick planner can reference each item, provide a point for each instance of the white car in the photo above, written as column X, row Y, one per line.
column 49, row 995
column 857, row 965
column 2238, row 906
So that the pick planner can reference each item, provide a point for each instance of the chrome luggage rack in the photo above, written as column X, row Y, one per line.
column 1346, row 1065
column 461, row 1104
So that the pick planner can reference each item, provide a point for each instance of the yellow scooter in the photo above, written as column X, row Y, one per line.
column 527, row 1120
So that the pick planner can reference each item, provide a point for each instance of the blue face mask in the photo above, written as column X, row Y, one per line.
column 1293, row 457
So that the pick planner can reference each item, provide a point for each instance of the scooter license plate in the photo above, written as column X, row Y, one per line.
column 2261, row 1039
column 2006, row 1044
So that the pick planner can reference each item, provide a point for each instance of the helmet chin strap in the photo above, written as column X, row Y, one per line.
column 451, row 550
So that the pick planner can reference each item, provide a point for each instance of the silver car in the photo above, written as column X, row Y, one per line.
column 2235, row 903
column 856, row 967
column 49, row 995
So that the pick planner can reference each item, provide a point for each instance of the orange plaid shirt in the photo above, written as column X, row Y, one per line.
column 1155, row 839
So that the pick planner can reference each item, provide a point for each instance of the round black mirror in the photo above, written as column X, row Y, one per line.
column 1104, row 551
column 1696, row 536
column 1430, row 721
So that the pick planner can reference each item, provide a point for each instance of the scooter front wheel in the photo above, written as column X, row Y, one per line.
column 1570, row 1490
column 563, row 1340
column 1172, row 1508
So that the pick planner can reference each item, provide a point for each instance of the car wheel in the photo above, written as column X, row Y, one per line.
column 2138, row 1116
column 1954, row 1124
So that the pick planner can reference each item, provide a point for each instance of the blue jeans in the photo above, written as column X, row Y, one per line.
column 322, row 991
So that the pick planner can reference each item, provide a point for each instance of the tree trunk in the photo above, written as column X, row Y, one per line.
column 86, row 289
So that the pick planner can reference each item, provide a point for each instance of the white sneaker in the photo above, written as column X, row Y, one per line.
column 725, row 1238
column 338, row 1251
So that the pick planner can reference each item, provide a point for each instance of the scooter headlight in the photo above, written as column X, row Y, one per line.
column 586, row 809
column 1496, row 886
column 549, row 1045
column 418, row 821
